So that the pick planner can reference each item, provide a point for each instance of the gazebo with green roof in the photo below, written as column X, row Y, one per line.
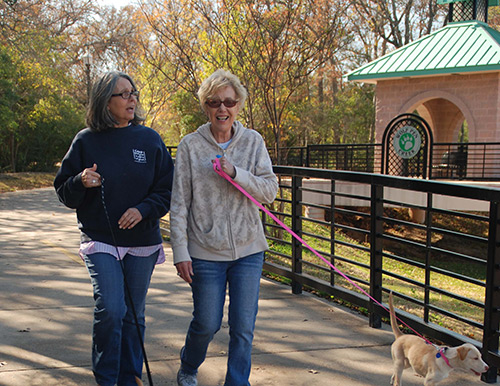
column 447, row 77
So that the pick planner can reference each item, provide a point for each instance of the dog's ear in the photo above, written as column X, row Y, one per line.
column 462, row 352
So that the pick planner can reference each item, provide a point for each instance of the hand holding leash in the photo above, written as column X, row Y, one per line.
column 90, row 177
column 224, row 165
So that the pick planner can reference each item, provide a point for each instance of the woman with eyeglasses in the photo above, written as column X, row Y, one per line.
column 217, row 235
column 118, row 175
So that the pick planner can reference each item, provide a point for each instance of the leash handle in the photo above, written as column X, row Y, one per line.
column 218, row 169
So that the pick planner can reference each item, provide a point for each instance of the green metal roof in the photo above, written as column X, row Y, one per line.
column 461, row 47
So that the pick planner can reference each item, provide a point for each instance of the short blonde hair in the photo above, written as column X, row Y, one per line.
column 219, row 80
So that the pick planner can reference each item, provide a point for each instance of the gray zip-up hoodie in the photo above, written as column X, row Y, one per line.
column 209, row 218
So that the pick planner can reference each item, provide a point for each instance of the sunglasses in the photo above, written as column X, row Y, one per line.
column 215, row 103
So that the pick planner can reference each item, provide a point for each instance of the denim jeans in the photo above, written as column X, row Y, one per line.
column 116, row 349
column 210, row 280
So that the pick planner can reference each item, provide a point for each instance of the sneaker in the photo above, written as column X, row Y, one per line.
column 185, row 379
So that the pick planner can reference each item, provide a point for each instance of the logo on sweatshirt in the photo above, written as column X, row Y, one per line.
column 139, row 156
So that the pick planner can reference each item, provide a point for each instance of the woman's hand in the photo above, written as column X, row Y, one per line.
column 130, row 218
column 90, row 177
column 227, row 167
column 185, row 271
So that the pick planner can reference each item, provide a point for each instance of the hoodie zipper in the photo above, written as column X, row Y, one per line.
column 229, row 228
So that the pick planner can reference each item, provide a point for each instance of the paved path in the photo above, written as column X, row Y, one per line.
column 46, row 314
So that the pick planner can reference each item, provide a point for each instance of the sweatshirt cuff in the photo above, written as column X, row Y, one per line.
column 242, row 177
column 144, row 209
column 78, row 183
column 181, row 254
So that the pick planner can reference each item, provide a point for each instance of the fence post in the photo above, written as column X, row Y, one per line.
column 296, row 226
column 377, row 211
column 332, row 230
column 492, row 297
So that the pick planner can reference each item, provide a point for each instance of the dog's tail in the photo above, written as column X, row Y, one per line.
column 394, row 322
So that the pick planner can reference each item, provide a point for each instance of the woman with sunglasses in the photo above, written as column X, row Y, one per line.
column 118, row 175
column 217, row 235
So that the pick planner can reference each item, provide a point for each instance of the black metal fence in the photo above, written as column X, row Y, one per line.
column 455, row 161
column 436, row 245
column 172, row 150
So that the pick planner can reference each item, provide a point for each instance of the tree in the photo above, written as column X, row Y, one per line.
column 8, row 100
column 273, row 46
column 396, row 22
column 494, row 17
column 36, row 72
column 170, row 69
column 290, row 54
column 348, row 118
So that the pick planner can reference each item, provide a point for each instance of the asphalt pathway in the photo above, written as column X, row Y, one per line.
column 46, row 317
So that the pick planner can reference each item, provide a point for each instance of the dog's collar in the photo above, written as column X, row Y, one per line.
column 441, row 354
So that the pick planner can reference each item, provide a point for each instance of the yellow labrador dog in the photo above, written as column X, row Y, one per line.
column 412, row 351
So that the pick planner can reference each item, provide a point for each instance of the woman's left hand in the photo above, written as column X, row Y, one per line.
column 130, row 218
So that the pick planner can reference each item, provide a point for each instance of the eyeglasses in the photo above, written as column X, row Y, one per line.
column 127, row 94
column 215, row 103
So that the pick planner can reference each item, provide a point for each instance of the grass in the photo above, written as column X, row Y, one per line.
column 358, row 258
column 11, row 182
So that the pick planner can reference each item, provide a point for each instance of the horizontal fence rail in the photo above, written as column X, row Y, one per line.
column 435, row 245
column 450, row 161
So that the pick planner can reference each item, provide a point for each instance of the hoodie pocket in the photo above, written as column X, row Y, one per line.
column 211, row 234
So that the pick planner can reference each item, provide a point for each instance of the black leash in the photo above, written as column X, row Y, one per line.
column 127, row 289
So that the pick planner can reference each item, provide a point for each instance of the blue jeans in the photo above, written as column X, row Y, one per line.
column 116, row 349
column 209, row 284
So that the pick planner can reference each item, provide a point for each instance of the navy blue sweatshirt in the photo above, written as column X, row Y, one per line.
column 137, row 171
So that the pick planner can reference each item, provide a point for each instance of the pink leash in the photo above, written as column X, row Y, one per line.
column 217, row 168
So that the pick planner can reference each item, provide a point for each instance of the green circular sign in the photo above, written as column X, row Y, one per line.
column 407, row 142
